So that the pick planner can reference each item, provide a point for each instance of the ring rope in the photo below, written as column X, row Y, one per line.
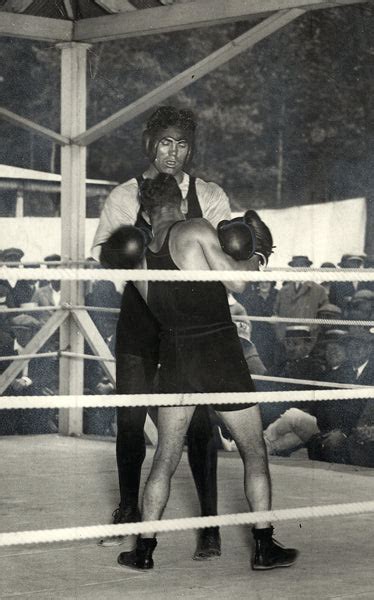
column 44, row 536
column 85, row 356
column 313, row 382
column 127, row 400
column 90, row 263
column 29, row 356
column 289, row 380
column 119, row 275
column 25, row 309
column 273, row 319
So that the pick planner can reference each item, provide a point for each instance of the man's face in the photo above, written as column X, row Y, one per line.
column 264, row 286
column 335, row 354
column 172, row 151
column 296, row 348
column 360, row 309
column 24, row 335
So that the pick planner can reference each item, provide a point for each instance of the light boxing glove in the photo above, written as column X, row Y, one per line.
column 125, row 248
column 237, row 238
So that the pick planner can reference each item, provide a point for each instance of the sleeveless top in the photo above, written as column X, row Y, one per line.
column 194, row 209
column 189, row 307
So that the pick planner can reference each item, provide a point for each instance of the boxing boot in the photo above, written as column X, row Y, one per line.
column 269, row 554
column 141, row 557
column 208, row 544
column 129, row 514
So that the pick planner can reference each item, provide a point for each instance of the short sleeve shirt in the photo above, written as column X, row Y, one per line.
column 122, row 207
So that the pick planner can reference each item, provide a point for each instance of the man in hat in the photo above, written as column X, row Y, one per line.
column 299, row 299
column 369, row 264
column 327, row 284
column 323, row 427
column 327, row 312
column 36, row 374
column 11, row 257
column 168, row 141
column 258, row 300
column 360, row 350
column 297, row 363
column 341, row 292
column 361, row 306
column 48, row 292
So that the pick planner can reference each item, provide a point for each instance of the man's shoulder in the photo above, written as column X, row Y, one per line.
column 129, row 187
column 197, row 225
column 199, row 229
column 208, row 185
column 129, row 184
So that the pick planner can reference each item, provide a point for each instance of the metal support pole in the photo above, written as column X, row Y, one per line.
column 73, row 212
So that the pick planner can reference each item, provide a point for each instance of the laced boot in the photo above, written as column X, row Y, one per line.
column 141, row 557
column 270, row 554
column 129, row 514
column 208, row 544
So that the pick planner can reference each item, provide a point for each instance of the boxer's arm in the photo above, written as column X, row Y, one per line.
column 121, row 208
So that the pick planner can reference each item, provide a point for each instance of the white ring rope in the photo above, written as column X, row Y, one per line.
column 16, row 357
column 251, row 318
column 114, row 400
column 121, row 276
column 312, row 382
column 85, row 356
column 25, row 309
column 44, row 536
column 275, row 319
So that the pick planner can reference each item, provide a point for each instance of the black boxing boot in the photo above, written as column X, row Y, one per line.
column 128, row 514
column 141, row 557
column 269, row 554
column 208, row 544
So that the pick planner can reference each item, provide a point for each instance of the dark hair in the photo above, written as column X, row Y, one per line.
column 161, row 191
column 169, row 116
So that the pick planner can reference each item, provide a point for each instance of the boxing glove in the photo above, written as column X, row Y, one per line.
column 237, row 238
column 125, row 248
column 263, row 237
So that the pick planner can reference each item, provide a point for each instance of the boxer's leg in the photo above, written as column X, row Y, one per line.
column 134, row 376
column 246, row 429
column 173, row 423
column 202, row 456
column 136, row 365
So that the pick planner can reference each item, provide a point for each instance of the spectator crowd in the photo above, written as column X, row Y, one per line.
column 304, row 355
column 293, row 352
column 40, row 376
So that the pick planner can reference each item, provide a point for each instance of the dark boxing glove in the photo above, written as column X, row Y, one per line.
column 264, row 239
column 125, row 248
column 237, row 238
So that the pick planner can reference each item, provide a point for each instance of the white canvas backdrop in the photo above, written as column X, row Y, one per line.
column 322, row 231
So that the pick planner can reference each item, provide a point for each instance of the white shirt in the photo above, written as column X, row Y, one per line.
column 361, row 368
column 122, row 207
column 56, row 295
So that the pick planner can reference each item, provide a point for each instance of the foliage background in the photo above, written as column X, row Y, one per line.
column 290, row 122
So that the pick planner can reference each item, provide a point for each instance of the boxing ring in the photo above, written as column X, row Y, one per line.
column 361, row 510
